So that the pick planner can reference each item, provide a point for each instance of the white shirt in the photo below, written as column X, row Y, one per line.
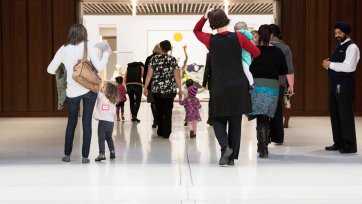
column 104, row 109
column 69, row 56
column 350, row 63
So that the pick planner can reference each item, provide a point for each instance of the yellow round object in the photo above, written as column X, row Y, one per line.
column 177, row 37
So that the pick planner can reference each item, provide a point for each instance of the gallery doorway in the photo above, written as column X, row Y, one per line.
column 132, row 28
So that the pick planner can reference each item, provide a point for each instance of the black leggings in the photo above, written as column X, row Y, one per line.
column 164, row 108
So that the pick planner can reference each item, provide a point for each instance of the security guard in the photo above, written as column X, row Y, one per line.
column 341, row 68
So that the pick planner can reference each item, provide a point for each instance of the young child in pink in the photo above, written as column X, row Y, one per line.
column 192, row 106
column 121, row 97
column 185, row 92
column 104, row 111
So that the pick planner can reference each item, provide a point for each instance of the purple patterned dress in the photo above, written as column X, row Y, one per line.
column 192, row 106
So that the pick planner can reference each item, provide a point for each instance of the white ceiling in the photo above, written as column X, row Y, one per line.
column 174, row 7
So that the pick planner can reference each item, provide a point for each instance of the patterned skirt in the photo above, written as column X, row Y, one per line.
column 264, row 97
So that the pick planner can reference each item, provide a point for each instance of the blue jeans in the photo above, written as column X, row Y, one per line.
column 73, row 104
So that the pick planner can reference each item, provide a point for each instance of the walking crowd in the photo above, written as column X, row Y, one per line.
column 246, row 73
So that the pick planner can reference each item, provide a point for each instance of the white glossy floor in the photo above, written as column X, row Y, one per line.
column 149, row 169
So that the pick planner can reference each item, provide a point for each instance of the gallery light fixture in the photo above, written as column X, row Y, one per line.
column 226, row 6
column 134, row 7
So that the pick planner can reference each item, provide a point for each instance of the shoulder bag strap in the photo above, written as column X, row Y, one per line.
column 85, row 51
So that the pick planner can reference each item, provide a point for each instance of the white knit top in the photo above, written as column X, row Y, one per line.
column 69, row 56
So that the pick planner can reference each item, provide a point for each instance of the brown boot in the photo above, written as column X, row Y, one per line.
column 287, row 113
column 192, row 134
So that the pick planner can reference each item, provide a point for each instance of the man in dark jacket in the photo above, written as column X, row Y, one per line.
column 133, row 80
column 286, row 86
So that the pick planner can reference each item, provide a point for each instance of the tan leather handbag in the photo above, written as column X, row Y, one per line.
column 85, row 74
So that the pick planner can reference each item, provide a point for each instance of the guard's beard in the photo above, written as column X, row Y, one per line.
column 341, row 39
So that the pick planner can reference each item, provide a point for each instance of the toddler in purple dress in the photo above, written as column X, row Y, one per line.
column 192, row 106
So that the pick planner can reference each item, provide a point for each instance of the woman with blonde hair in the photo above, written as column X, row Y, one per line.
column 69, row 54
column 156, row 50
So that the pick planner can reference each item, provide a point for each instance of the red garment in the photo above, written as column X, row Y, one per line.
column 205, row 39
column 121, row 93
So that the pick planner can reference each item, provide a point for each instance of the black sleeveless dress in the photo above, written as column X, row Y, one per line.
column 230, row 87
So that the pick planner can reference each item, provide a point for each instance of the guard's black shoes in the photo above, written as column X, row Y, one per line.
column 332, row 148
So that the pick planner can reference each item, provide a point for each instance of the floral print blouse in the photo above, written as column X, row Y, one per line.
column 163, row 80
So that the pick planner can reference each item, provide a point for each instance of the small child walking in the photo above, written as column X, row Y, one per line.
column 122, row 97
column 192, row 106
column 104, row 112
column 185, row 87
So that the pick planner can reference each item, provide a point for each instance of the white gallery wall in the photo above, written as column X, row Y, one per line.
column 137, row 35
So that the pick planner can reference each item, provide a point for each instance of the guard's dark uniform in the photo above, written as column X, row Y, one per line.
column 341, row 94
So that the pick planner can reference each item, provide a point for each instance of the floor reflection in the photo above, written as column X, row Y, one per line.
column 150, row 169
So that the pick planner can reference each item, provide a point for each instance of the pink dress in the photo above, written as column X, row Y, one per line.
column 121, row 93
column 192, row 106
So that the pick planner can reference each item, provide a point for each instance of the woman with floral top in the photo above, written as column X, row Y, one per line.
column 165, row 74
